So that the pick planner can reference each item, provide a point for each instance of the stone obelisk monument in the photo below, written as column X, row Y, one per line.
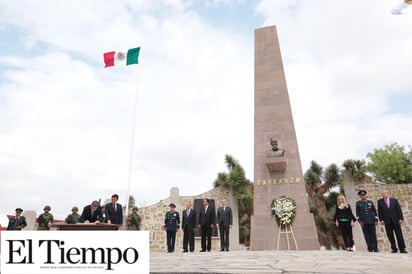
column 277, row 166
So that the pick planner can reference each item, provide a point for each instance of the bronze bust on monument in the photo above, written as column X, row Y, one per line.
column 276, row 151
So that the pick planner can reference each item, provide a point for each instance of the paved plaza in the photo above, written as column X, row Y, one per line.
column 281, row 262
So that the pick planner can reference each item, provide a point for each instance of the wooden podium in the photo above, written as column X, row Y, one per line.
column 83, row 226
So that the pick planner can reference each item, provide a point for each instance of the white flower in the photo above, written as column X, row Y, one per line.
column 284, row 209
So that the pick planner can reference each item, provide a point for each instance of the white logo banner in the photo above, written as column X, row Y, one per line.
column 75, row 252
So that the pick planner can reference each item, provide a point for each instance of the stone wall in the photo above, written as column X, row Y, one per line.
column 401, row 192
column 153, row 219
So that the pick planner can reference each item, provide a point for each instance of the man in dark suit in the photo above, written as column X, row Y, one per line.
column 114, row 211
column 91, row 213
column 189, row 226
column 206, row 220
column 368, row 219
column 224, row 224
column 390, row 214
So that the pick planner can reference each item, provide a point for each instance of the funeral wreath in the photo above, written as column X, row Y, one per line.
column 284, row 208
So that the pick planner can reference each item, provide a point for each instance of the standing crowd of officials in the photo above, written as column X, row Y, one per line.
column 205, row 219
column 389, row 213
column 112, row 213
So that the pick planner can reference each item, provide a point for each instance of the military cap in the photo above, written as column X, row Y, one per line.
column 135, row 207
column 19, row 209
column 47, row 207
column 75, row 208
column 362, row 192
column 172, row 205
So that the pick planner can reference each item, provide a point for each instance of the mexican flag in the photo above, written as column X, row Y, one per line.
column 113, row 58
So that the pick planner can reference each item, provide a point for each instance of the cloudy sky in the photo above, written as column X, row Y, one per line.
column 66, row 122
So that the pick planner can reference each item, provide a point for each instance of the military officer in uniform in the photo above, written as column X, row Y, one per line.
column 73, row 218
column 172, row 224
column 368, row 219
column 134, row 220
column 45, row 219
column 17, row 222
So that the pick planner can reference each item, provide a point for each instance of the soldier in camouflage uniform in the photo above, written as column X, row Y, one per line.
column 17, row 222
column 134, row 220
column 45, row 219
column 73, row 218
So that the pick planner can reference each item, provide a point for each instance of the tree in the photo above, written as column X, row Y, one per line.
column 391, row 164
column 318, row 183
column 356, row 169
column 242, row 188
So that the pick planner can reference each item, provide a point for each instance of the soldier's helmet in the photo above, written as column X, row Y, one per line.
column 75, row 208
column 47, row 207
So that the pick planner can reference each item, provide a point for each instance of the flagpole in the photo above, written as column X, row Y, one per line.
column 132, row 145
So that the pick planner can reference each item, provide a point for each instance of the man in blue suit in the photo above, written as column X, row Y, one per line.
column 189, row 226
column 114, row 211
column 91, row 213
column 390, row 215
column 224, row 224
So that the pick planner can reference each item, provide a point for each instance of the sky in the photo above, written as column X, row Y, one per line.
column 66, row 122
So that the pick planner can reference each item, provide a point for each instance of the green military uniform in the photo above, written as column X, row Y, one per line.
column 45, row 219
column 134, row 220
column 73, row 218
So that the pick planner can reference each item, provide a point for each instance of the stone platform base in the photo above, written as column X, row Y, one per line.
column 280, row 262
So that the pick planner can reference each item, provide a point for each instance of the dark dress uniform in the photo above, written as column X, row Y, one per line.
column 367, row 218
column 172, row 224
column 17, row 222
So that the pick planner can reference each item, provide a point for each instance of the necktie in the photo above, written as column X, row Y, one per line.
column 188, row 212
column 205, row 209
column 224, row 208
column 114, row 208
column 387, row 203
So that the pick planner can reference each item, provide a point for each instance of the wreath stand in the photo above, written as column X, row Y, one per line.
column 288, row 230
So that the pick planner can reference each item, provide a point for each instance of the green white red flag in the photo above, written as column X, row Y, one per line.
column 113, row 58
